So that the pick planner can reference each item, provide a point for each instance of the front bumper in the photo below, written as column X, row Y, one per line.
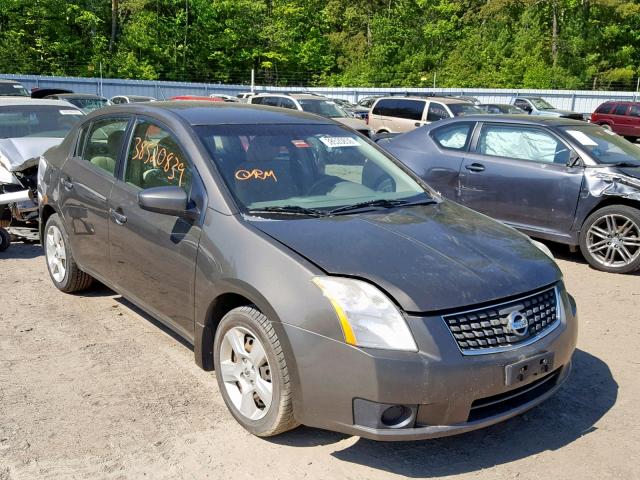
column 447, row 393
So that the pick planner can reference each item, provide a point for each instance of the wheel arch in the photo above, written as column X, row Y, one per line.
column 45, row 212
column 609, row 201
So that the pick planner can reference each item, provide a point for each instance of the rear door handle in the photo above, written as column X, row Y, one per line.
column 119, row 218
column 418, row 124
column 67, row 183
column 475, row 167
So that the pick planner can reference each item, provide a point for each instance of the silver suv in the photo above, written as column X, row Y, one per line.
column 317, row 104
column 402, row 114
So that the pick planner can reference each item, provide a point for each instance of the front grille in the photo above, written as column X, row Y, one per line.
column 487, row 330
column 502, row 403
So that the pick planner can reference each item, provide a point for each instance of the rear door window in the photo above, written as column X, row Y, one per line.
column 453, row 137
column 287, row 103
column 104, row 143
column 605, row 108
column 521, row 143
column 410, row 109
column 620, row 109
column 271, row 101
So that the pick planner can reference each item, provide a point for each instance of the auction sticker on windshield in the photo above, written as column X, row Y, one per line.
column 337, row 142
column 582, row 138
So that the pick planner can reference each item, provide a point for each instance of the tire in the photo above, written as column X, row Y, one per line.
column 64, row 272
column 610, row 239
column 606, row 126
column 247, row 329
column 5, row 239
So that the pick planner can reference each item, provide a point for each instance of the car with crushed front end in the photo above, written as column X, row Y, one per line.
column 325, row 283
column 555, row 179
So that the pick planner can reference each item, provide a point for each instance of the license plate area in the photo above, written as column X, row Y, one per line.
column 532, row 367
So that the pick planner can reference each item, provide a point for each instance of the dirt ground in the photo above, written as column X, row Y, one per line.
column 92, row 388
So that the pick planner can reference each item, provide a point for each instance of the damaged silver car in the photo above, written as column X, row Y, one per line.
column 556, row 179
column 28, row 128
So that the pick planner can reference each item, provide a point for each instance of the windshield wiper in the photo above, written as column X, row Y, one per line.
column 291, row 210
column 383, row 203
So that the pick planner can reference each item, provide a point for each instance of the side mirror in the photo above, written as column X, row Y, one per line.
column 167, row 201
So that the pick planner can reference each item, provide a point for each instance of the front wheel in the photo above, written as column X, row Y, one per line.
column 610, row 239
column 5, row 239
column 252, row 373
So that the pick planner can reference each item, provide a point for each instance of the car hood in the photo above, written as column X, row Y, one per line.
column 17, row 154
column 354, row 123
column 428, row 257
column 561, row 113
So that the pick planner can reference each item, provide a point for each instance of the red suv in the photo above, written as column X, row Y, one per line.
column 621, row 117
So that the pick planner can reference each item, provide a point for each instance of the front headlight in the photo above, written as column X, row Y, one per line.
column 543, row 248
column 367, row 317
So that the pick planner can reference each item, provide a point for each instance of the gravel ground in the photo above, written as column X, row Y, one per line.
column 90, row 387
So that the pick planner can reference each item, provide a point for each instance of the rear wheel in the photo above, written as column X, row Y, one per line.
column 252, row 373
column 5, row 239
column 610, row 239
column 606, row 126
column 63, row 270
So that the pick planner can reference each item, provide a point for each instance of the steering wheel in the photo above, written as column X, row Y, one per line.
column 324, row 185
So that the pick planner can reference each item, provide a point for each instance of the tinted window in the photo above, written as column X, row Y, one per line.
column 325, row 108
column 460, row 109
column 605, row 108
column 257, row 100
column 312, row 166
column 13, row 90
column 385, row 107
column 620, row 109
column 287, row 103
column 104, row 143
column 522, row 143
column 522, row 104
column 37, row 120
column 155, row 159
column 436, row 112
column 410, row 109
column 634, row 111
column 454, row 137
column 271, row 101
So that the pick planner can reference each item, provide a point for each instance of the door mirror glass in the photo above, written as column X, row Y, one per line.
column 166, row 200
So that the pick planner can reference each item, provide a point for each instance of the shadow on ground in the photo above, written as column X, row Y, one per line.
column 24, row 250
column 587, row 396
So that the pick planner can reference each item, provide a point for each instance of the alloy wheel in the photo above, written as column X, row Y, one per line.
column 56, row 253
column 246, row 373
column 613, row 240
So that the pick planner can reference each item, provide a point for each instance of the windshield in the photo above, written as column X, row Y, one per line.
column 37, row 120
column 541, row 104
column 12, row 90
column 326, row 108
column 88, row 104
column 304, row 167
column 605, row 147
column 461, row 109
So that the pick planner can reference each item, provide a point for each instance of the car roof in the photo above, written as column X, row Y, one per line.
column 445, row 100
column 297, row 96
column 7, row 101
column 532, row 120
column 62, row 96
column 2, row 80
column 629, row 102
column 217, row 113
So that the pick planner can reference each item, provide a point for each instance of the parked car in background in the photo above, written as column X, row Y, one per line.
column 244, row 96
column 621, row 117
column 318, row 104
column 28, row 128
column 501, row 108
column 351, row 108
column 539, row 106
column 367, row 102
column 120, row 99
column 9, row 88
column 326, row 284
column 553, row 178
column 467, row 98
column 225, row 97
column 87, row 102
column 402, row 114
column 198, row 98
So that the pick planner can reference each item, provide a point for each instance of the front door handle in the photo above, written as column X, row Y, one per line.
column 118, row 217
column 475, row 167
column 67, row 183
column 418, row 124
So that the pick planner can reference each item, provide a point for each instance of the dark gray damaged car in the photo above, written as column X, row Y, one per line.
column 324, row 282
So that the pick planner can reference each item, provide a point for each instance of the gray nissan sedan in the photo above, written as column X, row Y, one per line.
column 325, row 283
